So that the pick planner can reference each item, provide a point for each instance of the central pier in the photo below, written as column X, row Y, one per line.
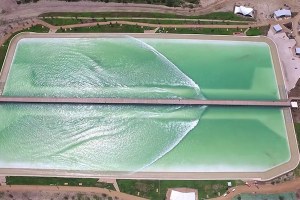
column 138, row 101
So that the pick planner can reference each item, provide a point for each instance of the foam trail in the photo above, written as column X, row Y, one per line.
column 100, row 140
column 169, row 63
column 83, row 137
column 76, row 70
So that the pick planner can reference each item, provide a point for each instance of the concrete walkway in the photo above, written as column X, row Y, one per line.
column 135, row 101
column 111, row 181
column 2, row 180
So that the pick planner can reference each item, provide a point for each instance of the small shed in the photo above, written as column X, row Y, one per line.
column 182, row 194
column 282, row 13
column 277, row 28
column 175, row 195
column 242, row 10
column 297, row 50
column 294, row 104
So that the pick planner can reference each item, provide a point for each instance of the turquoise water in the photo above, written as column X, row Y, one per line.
column 128, row 67
column 142, row 138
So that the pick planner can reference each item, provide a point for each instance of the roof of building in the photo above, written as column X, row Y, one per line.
column 243, row 10
column 294, row 104
column 175, row 195
column 282, row 13
column 277, row 28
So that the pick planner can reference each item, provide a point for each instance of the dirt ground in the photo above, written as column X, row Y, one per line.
column 48, row 195
column 264, row 8
column 295, row 92
column 34, row 192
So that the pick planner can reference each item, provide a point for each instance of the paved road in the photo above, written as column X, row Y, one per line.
column 134, row 101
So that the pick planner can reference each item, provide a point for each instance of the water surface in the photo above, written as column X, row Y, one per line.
column 142, row 138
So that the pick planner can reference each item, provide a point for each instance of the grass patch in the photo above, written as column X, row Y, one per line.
column 174, row 21
column 148, row 188
column 61, row 22
column 4, row 47
column 110, row 28
column 87, row 182
column 258, row 31
column 216, row 15
column 68, row 21
column 225, row 16
column 208, row 31
column 37, row 29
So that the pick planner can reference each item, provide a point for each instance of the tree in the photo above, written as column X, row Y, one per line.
column 172, row 3
column 281, row 198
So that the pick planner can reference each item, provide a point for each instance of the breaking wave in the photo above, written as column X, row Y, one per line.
column 102, row 138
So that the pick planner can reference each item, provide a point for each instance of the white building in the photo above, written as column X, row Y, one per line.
column 282, row 13
column 297, row 50
column 277, row 28
column 294, row 104
column 175, row 195
column 242, row 10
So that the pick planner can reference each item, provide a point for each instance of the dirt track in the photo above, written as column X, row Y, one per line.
column 66, row 189
column 290, row 186
column 13, row 11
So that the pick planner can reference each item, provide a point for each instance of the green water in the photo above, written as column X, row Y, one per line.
column 136, row 138
column 128, row 68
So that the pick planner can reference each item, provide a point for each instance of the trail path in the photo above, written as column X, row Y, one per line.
column 151, row 18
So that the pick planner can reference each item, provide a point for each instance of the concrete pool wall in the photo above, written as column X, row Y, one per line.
column 293, row 162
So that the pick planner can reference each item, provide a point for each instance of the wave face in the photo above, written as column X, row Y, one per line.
column 118, row 67
column 102, row 138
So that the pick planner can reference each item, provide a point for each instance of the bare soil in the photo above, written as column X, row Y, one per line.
column 49, row 195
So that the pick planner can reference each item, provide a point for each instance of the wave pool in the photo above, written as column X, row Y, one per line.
column 128, row 140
